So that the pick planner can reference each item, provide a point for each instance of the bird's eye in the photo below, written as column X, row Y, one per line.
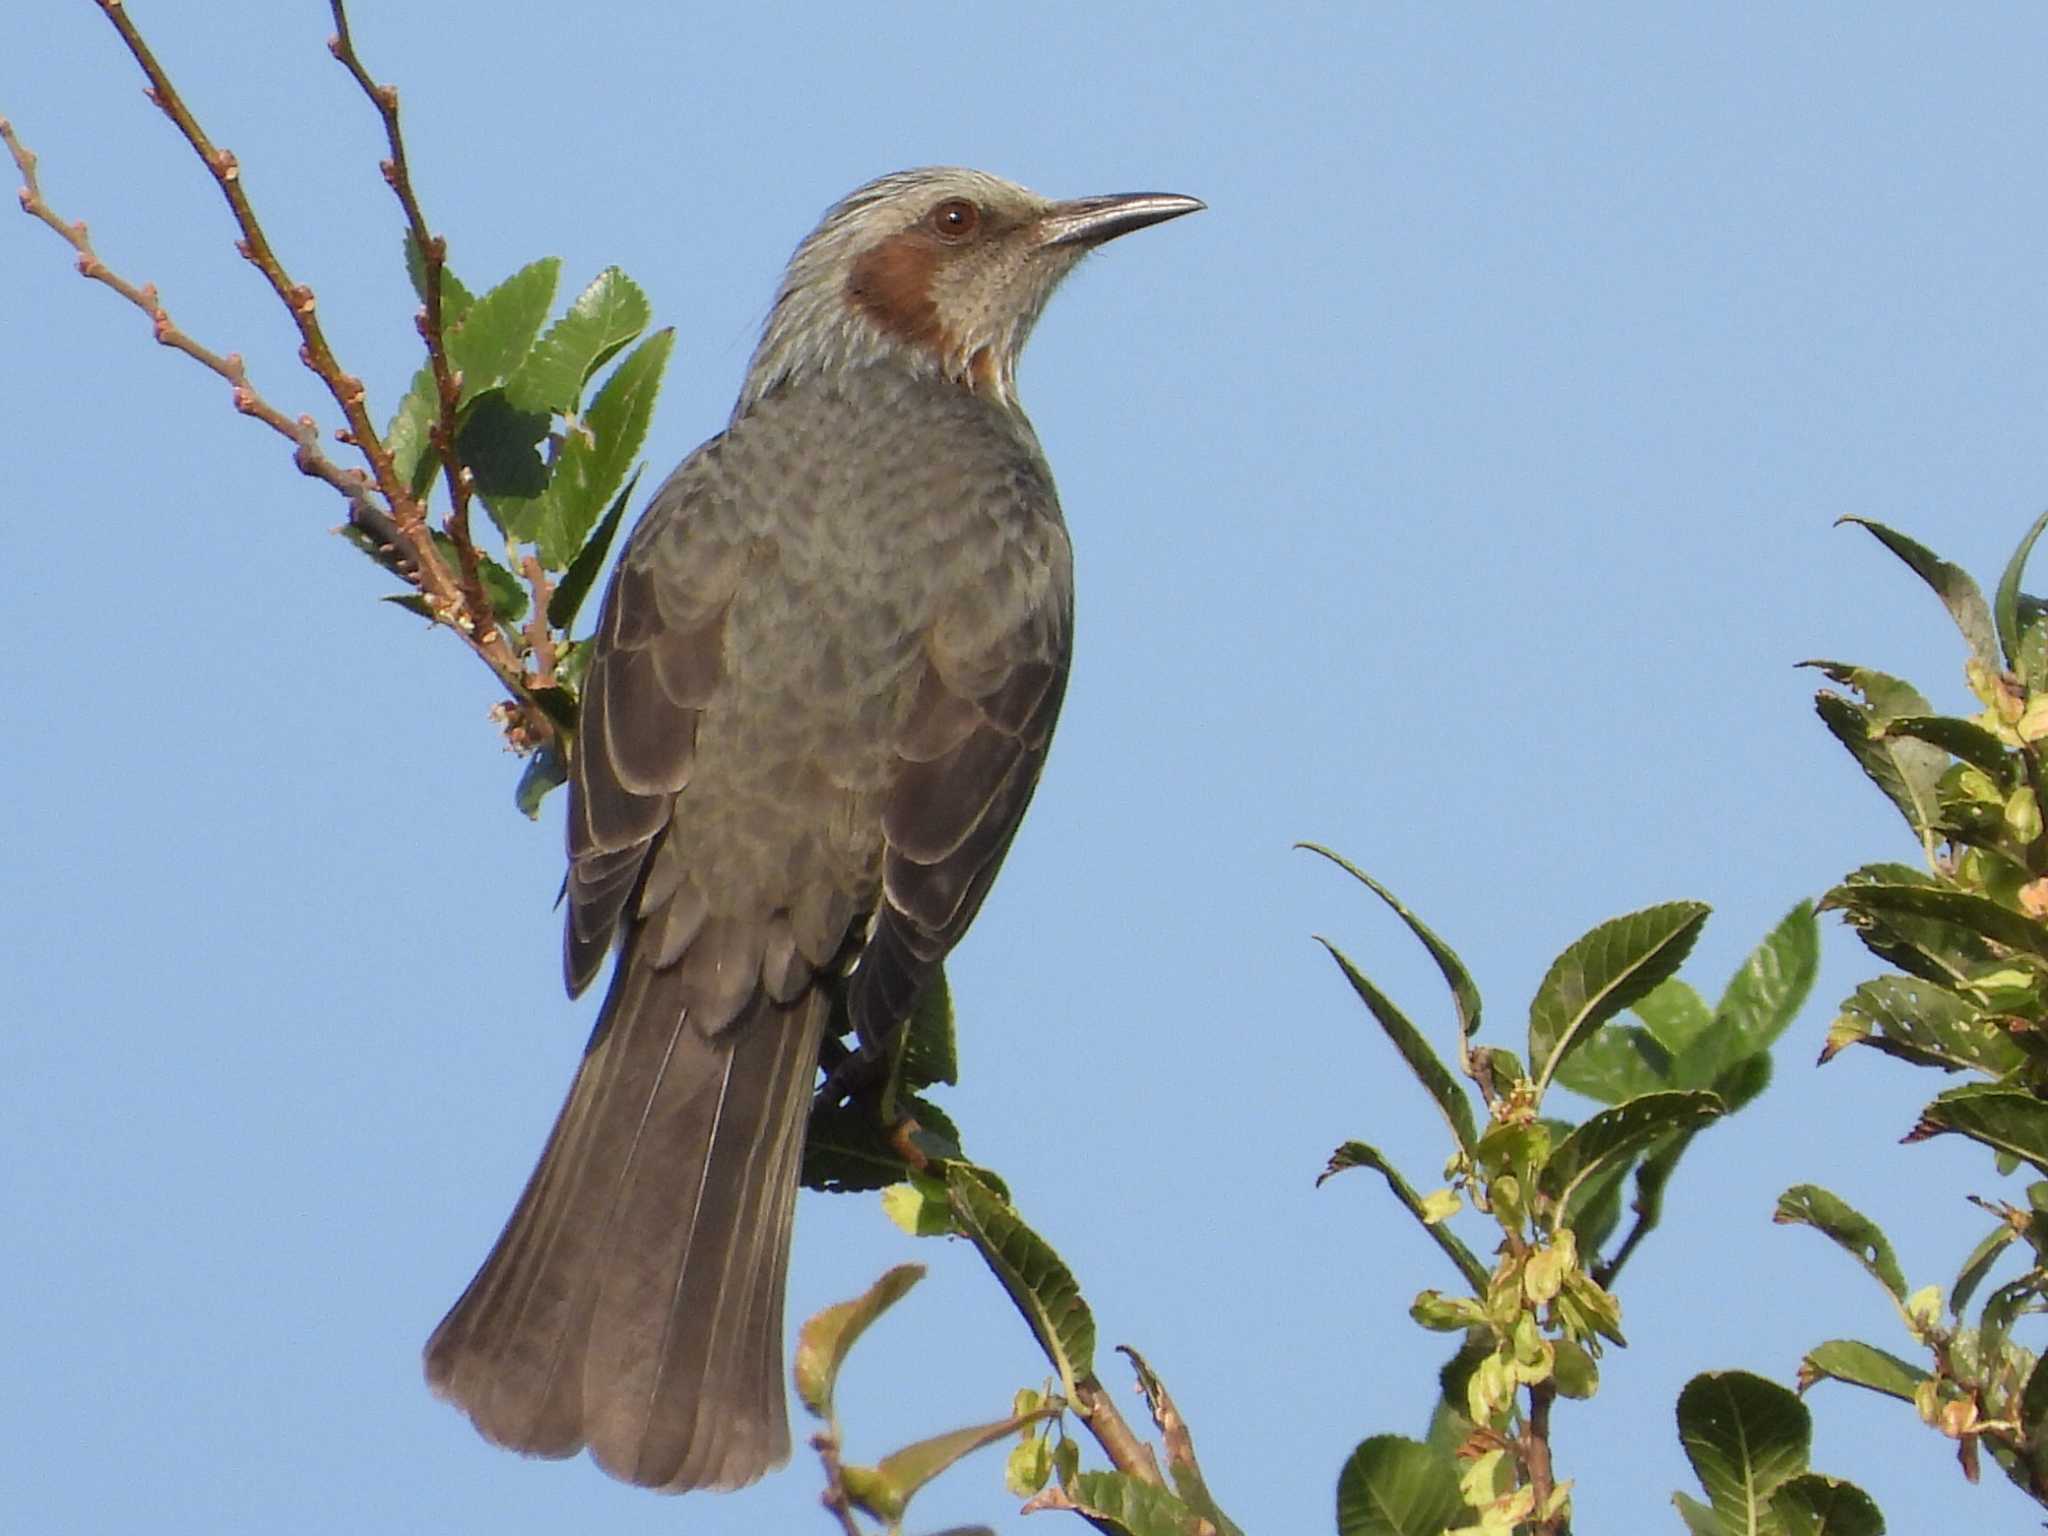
column 955, row 220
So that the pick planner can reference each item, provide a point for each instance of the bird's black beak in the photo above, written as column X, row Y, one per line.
column 1092, row 220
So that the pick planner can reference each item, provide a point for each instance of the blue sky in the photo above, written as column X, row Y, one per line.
column 1456, row 491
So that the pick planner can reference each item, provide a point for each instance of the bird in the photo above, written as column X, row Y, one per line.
column 819, row 694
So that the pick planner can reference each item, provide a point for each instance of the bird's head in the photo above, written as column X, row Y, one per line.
column 942, row 270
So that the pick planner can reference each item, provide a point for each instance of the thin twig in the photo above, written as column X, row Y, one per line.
column 835, row 1496
column 303, row 432
column 433, row 320
column 540, row 635
column 526, row 724
column 1534, row 1450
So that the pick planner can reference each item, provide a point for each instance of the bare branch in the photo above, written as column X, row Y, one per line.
column 1127, row 1453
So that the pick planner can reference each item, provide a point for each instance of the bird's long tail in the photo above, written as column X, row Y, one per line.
column 633, row 1302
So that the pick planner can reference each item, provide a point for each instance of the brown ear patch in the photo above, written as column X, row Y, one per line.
column 892, row 283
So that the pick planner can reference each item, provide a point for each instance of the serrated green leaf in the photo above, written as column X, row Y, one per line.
column 1675, row 1014
column 2007, row 1120
column 1699, row 1519
column 1813, row 1505
column 1907, row 772
column 1810, row 1205
column 1768, row 989
column 501, row 447
column 1962, row 739
column 605, row 317
column 1394, row 1486
column 1921, row 1022
column 1963, row 909
column 493, row 336
column 595, row 459
column 407, row 438
column 1978, row 1265
column 1464, row 992
column 1620, row 1135
column 1744, row 1437
column 2008, row 598
column 1951, row 583
column 1619, row 1063
column 929, row 1054
column 1040, row 1285
column 847, row 1150
column 582, row 572
column 1885, row 698
column 1119, row 1505
column 1356, row 1154
column 1935, row 949
column 1861, row 1365
column 1604, row 972
column 827, row 1337
column 1434, row 1076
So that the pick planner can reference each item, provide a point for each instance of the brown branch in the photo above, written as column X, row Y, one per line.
column 1127, row 1453
column 432, row 321
column 459, row 605
column 835, row 1496
column 540, row 635
column 302, row 432
column 1533, row 1450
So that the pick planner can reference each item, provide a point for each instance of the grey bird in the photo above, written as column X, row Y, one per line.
column 819, row 696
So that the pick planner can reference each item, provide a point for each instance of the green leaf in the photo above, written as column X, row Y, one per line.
column 1978, row 1265
column 455, row 299
column 1120, row 1505
column 493, row 336
column 1768, row 990
column 1615, row 1137
column 1744, row 1437
column 1962, row 739
column 1860, row 1365
column 582, row 572
column 1921, row 1022
column 1434, row 1076
column 500, row 446
column 1619, row 1063
column 407, row 438
column 606, row 316
column 1699, row 1519
column 1603, row 973
column 1933, row 948
column 928, row 1045
column 1906, row 771
column 1886, row 698
column 1962, row 909
column 1179, row 1445
column 1356, row 1154
column 545, row 771
column 899, row 1475
column 1675, row 1013
column 847, row 1150
column 1040, row 1284
column 2007, row 1120
column 1394, row 1486
column 2008, row 598
column 1464, row 993
column 1813, row 1505
column 827, row 1338
column 1951, row 583
column 1810, row 1205
column 594, row 461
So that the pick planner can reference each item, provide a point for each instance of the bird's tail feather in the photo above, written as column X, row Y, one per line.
column 633, row 1302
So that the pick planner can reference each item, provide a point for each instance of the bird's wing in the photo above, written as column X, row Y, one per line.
column 968, row 758
column 656, row 661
